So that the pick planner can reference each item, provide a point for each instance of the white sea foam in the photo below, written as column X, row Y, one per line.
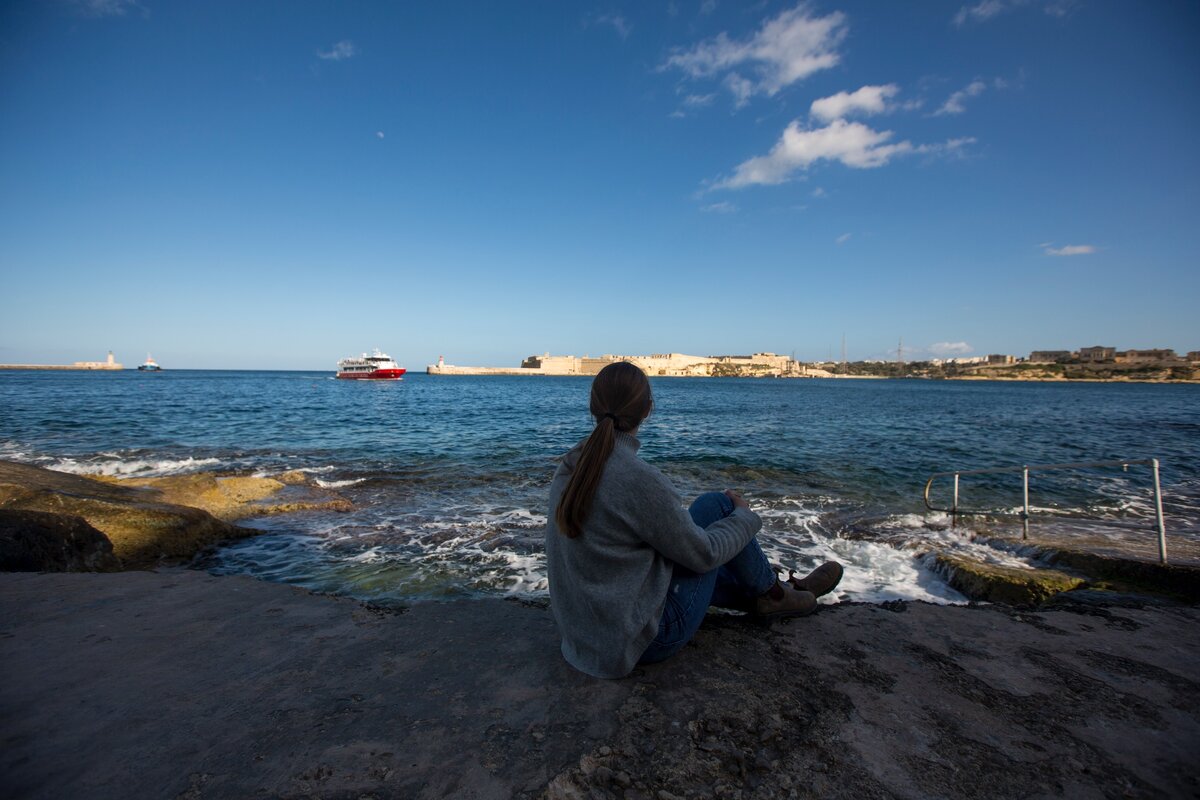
column 877, row 573
column 496, row 549
column 338, row 484
column 874, row 572
column 137, row 467
column 369, row 556
column 11, row 451
column 1048, row 510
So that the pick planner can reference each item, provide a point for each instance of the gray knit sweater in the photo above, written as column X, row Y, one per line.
column 608, row 586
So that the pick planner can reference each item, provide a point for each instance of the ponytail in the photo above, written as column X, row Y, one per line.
column 620, row 401
column 576, row 501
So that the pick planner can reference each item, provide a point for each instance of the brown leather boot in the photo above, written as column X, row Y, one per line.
column 821, row 581
column 784, row 600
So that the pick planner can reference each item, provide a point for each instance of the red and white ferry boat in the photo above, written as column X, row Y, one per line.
column 375, row 367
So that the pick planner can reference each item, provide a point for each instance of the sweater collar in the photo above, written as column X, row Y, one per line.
column 624, row 439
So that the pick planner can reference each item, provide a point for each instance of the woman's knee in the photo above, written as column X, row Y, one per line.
column 710, row 507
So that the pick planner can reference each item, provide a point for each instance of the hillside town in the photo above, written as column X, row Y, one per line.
column 1086, row 363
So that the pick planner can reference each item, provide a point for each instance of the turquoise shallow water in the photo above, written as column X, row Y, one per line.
column 449, row 474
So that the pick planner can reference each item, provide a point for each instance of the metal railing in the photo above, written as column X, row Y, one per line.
column 955, row 511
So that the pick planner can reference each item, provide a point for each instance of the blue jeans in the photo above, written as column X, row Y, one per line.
column 732, row 585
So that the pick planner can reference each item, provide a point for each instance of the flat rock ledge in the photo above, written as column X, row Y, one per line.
column 179, row 684
column 1065, row 566
column 149, row 521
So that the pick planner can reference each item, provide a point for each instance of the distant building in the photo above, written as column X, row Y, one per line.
column 109, row 363
column 1001, row 359
column 1193, row 356
column 1094, row 354
column 673, row 364
column 1050, row 356
column 1146, row 356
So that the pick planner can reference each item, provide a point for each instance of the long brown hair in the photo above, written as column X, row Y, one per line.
column 620, row 401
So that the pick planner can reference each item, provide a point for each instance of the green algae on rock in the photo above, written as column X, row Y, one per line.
column 998, row 584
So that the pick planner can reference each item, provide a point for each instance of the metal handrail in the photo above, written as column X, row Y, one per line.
column 954, row 511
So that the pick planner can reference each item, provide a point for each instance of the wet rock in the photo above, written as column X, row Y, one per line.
column 232, row 497
column 152, row 521
column 36, row 541
column 998, row 584
column 144, row 531
column 294, row 477
column 1128, row 575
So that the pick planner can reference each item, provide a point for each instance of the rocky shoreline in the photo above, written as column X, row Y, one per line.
column 158, row 681
column 140, row 522
column 179, row 684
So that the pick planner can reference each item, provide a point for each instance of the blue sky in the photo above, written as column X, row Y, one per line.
column 277, row 185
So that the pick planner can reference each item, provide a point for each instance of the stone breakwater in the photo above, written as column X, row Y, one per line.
column 73, row 521
column 180, row 684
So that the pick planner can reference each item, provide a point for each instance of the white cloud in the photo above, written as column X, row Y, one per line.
column 741, row 88
column 786, row 49
column 867, row 100
column 339, row 52
column 107, row 8
column 379, row 134
column 979, row 12
column 851, row 143
column 987, row 9
column 720, row 208
column 1071, row 250
column 954, row 103
column 614, row 21
column 691, row 103
column 845, row 237
column 949, row 148
column 708, row 7
column 950, row 348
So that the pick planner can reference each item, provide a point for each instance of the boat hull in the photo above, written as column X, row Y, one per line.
column 377, row 375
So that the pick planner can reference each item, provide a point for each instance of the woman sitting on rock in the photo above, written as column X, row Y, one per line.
column 631, row 573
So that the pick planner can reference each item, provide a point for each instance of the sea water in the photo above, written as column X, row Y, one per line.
column 449, row 475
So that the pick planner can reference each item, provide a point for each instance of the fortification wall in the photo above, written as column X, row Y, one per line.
column 657, row 364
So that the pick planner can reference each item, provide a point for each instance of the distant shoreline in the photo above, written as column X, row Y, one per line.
column 1030, row 379
column 60, row 367
column 502, row 372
